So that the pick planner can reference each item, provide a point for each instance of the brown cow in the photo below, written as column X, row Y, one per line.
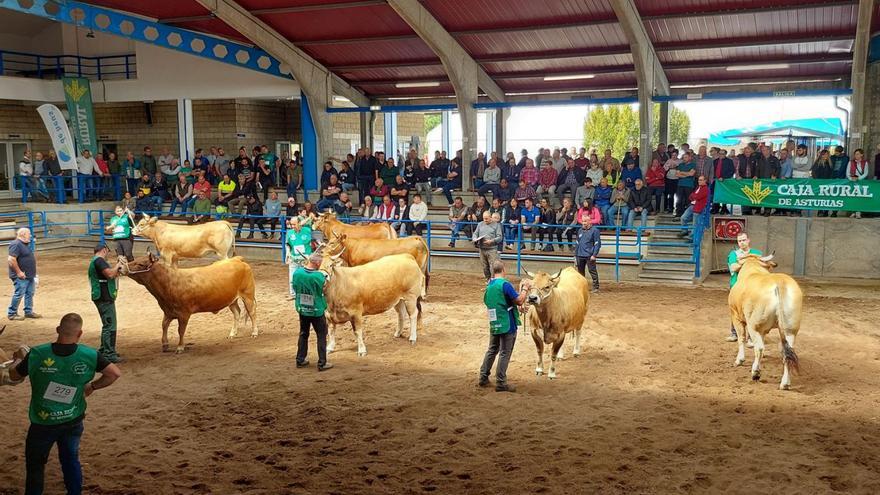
column 761, row 301
column 327, row 223
column 352, row 293
column 182, row 292
column 356, row 252
column 559, row 306
column 188, row 241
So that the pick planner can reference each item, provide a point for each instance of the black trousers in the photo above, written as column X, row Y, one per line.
column 498, row 343
column 584, row 264
column 414, row 227
column 669, row 195
column 683, row 193
column 125, row 247
column 319, row 323
column 261, row 223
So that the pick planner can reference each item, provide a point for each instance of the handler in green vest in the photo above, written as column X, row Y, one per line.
column 501, row 300
column 61, row 376
column 102, row 279
column 308, row 283
column 744, row 248
column 299, row 248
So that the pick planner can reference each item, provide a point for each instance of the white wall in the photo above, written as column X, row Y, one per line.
column 29, row 34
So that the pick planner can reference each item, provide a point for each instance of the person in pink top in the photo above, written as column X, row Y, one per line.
column 202, row 186
column 529, row 173
column 588, row 210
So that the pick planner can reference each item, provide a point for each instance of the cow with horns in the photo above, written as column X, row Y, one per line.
column 187, row 241
column 328, row 224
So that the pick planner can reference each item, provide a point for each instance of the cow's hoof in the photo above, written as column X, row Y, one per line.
column 551, row 377
column 331, row 349
column 254, row 335
column 412, row 342
column 738, row 362
column 179, row 350
column 539, row 372
column 230, row 337
column 756, row 375
column 362, row 354
column 165, row 348
column 397, row 335
column 576, row 354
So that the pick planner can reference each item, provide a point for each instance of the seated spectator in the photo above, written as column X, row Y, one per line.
column 253, row 214
column 400, row 189
column 170, row 171
column 367, row 208
column 246, row 188
column 387, row 211
column 457, row 218
column 512, row 218
column 697, row 202
column 202, row 185
column 547, row 180
column 226, row 192
column 656, row 181
column 128, row 202
column 342, row 206
column 566, row 216
column 417, row 215
column 389, row 172
column 450, row 181
column 618, row 212
column 491, row 181
column 586, row 191
column 346, row 177
column 506, row 191
column 589, row 210
column 525, row 191
column 639, row 204
column 160, row 187
column 291, row 209
column 400, row 214
column 272, row 210
column 569, row 180
column 545, row 226
column 181, row 195
column 478, row 167
column 326, row 173
column 380, row 190
column 595, row 172
column 529, row 173
column 529, row 218
column 201, row 209
column 188, row 173
column 144, row 203
column 422, row 178
column 630, row 174
column 603, row 199
column 329, row 194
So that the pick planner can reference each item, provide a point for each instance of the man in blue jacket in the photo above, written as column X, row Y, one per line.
column 588, row 244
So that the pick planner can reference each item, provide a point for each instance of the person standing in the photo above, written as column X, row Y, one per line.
column 487, row 236
column 589, row 242
column 120, row 226
column 23, row 273
column 102, row 280
column 501, row 300
column 299, row 248
column 308, row 283
column 61, row 376
column 744, row 248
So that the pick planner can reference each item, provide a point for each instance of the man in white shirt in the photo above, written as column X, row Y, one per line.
column 87, row 167
column 418, row 213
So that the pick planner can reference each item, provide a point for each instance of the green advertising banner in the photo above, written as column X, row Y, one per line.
column 803, row 194
column 82, row 118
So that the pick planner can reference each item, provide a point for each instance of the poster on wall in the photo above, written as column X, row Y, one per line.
column 55, row 124
column 802, row 194
column 78, row 96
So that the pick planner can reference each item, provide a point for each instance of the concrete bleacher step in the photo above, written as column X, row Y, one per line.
column 670, row 251
column 647, row 266
column 667, row 276
column 52, row 244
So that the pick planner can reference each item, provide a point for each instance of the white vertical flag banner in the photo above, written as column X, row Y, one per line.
column 54, row 121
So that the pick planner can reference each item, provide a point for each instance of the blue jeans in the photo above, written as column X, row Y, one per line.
column 604, row 210
column 447, row 186
column 324, row 204
column 631, row 218
column 456, row 228
column 22, row 287
column 39, row 443
column 612, row 215
column 686, row 218
column 495, row 188
column 185, row 205
column 478, row 183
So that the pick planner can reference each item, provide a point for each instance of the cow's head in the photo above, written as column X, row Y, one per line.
column 542, row 286
column 323, row 221
column 335, row 245
column 140, row 264
column 330, row 262
column 145, row 226
column 765, row 262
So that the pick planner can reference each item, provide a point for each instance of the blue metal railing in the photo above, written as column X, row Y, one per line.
column 80, row 188
column 21, row 64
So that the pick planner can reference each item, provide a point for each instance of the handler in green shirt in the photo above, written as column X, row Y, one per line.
column 61, row 376
column 299, row 248
column 102, row 280
column 308, row 283
column 501, row 300
column 733, row 264
column 120, row 227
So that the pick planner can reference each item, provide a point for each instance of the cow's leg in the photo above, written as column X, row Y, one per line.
column 740, row 340
column 413, row 313
column 236, row 313
column 554, row 355
column 250, row 305
column 561, row 354
column 785, row 384
column 401, row 318
column 166, row 322
column 331, row 338
column 357, row 324
column 577, row 343
column 182, row 321
column 758, row 341
column 539, row 346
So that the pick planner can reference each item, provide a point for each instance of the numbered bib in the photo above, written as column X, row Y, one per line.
column 300, row 250
column 307, row 300
column 57, row 392
column 493, row 316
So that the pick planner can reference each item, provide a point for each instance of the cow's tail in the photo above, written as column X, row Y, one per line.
column 425, row 266
column 392, row 234
column 789, row 357
column 231, row 252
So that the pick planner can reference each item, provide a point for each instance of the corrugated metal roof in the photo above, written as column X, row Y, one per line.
column 486, row 14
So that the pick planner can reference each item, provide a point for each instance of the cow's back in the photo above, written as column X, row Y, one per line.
column 371, row 231
column 575, row 291
column 362, row 251
column 377, row 286
column 763, row 298
column 194, row 241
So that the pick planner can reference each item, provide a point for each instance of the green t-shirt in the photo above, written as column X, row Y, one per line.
column 731, row 259
column 309, row 288
column 687, row 181
column 270, row 160
column 202, row 206
column 121, row 226
column 300, row 243
column 58, row 383
column 187, row 171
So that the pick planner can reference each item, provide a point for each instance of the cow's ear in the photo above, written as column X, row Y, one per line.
column 153, row 220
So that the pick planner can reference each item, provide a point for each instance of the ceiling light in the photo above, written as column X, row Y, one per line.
column 341, row 99
column 375, row 108
column 419, row 84
column 569, row 77
column 735, row 68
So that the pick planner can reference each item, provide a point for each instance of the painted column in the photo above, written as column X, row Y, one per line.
column 664, row 127
column 501, row 116
column 185, row 139
column 390, row 122
column 490, row 132
column 445, row 135
column 310, row 159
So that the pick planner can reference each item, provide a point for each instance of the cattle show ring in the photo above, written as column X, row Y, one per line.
column 629, row 390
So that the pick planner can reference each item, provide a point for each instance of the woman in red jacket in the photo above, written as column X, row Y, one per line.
column 656, row 180
column 699, row 198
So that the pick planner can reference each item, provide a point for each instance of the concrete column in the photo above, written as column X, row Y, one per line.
column 664, row 126
column 490, row 131
column 468, row 115
column 501, row 116
column 185, row 139
column 390, row 121
column 367, row 125
column 310, row 147
column 646, row 125
column 857, row 126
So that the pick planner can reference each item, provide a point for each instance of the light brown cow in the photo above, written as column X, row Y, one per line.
column 395, row 281
column 183, row 292
column 558, row 306
column 188, row 241
column 761, row 301
column 356, row 252
column 327, row 224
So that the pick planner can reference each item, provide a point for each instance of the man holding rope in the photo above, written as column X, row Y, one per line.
column 299, row 248
column 501, row 300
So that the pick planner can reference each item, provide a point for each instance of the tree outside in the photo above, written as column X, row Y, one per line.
column 616, row 127
column 432, row 120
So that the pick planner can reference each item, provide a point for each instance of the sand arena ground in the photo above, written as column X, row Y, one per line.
column 652, row 406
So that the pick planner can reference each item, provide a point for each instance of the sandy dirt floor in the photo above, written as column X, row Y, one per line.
column 653, row 406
